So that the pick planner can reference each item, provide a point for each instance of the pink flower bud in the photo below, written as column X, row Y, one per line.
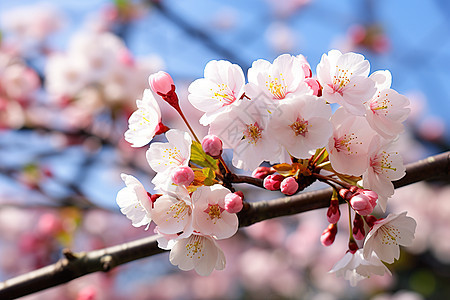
column 361, row 204
column 373, row 197
column 352, row 246
column 183, row 176
column 273, row 182
column 358, row 228
column 289, row 186
column 370, row 220
column 212, row 146
column 314, row 85
column 354, row 189
column 161, row 82
column 345, row 194
column 328, row 236
column 263, row 172
column 333, row 212
column 233, row 203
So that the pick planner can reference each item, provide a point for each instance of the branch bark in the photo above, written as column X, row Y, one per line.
column 74, row 265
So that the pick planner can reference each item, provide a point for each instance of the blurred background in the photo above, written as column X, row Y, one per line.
column 70, row 72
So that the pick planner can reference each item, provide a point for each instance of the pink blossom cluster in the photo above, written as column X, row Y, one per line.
column 343, row 123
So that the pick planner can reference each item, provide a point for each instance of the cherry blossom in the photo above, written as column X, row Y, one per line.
column 218, row 91
column 349, row 144
column 354, row 267
column 244, row 129
column 344, row 78
column 164, row 158
column 301, row 124
column 388, row 234
column 384, row 167
column 172, row 213
column 144, row 122
column 210, row 216
column 198, row 252
column 134, row 201
column 277, row 80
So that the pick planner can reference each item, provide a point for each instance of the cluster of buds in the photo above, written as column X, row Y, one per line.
column 362, row 201
column 275, row 182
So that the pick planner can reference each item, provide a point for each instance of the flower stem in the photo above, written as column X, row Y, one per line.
column 327, row 178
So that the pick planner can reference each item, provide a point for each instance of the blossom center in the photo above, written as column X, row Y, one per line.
column 389, row 234
column 173, row 156
column 179, row 211
column 252, row 133
column 194, row 247
column 300, row 127
column 340, row 80
column 382, row 163
column 214, row 211
column 345, row 143
column 224, row 94
column 277, row 87
column 380, row 104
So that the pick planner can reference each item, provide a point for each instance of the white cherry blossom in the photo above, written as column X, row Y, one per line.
column 244, row 129
column 384, row 166
column 277, row 80
column 220, row 88
column 387, row 235
column 210, row 216
column 144, row 122
column 134, row 201
column 198, row 252
column 344, row 78
column 164, row 158
column 302, row 124
column 354, row 267
column 386, row 111
column 348, row 146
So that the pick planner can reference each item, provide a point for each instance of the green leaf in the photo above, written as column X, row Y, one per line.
column 200, row 158
column 210, row 175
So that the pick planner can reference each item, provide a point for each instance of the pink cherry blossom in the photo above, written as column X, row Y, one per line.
column 144, row 122
column 134, row 201
column 160, row 82
column 344, row 78
column 301, row 124
column 198, row 252
column 384, row 167
column 289, row 186
column 212, row 145
column 220, row 88
column 388, row 234
column 183, row 175
column 210, row 216
column 354, row 267
column 233, row 203
column 349, row 144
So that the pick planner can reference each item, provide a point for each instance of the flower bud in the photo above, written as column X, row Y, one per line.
column 328, row 236
column 361, row 204
column 358, row 228
column 333, row 212
column 370, row 220
column 345, row 194
column 352, row 246
column 314, row 86
column 289, row 186
column 233, row 203
column 273, row 182
column 212, row 146
column 263, row 172
column 183, row 176
column 161, row 82
column 373, row 197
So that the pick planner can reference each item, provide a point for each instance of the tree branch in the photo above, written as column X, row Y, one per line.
column 74, row 265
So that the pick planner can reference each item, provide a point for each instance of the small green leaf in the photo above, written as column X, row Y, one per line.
column 200, row 158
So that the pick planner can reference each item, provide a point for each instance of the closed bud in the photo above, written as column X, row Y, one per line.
column 161, row 82
column 183, row 176
column 345, row 194
column 358, row 228
column 329, row 235
column 333, row 212
column 370, row 220
column 263, row 172
column 352, row 246
column 289, row 186
column 233, row 203
column 273, row 182
column 361, row 204
column 314, row 85
column 373, row 197
column 212, row 146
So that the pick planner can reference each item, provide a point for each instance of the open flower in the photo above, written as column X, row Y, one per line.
column 198, row 252
column 386, row 236
column 349, row 144
column 354, row 267
column 165, row 158
column 144, row 122
column 301, row 124
column 344, row 78
column 134, row 201
column 210, row 215
column 220, row 88
column 384, row 167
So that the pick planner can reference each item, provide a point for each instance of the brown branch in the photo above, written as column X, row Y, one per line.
column 74, row 265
